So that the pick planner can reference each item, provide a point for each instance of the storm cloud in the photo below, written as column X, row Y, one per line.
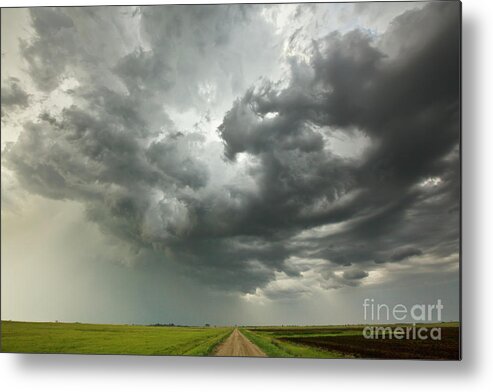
column 13, row 96
column 254, row 159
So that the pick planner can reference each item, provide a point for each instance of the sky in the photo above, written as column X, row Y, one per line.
column 229, row 164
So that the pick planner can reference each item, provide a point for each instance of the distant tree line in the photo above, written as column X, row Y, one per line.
column 174, row 325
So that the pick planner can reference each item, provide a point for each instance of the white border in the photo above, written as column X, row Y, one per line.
column 124, row 373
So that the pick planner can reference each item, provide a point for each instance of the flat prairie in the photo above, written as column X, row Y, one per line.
column 345, row 341
column 75, row 338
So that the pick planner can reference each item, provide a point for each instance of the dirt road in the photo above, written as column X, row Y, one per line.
column 237, row 345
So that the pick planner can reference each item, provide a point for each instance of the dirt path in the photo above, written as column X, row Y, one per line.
column 237, row 345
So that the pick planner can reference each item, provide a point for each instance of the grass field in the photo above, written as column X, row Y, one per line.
column 298, row 342
column 74, row 338
column 274, row 347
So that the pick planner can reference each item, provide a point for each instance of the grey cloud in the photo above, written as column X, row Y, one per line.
column 48, row 54
column 143, row 72
column 405, row 253
column 354, row 274
column 148, row 183
column 13, row 96
column 79, row 42
column 221, row 48
column 171, row 155
column 331, row 280
column 407, row 104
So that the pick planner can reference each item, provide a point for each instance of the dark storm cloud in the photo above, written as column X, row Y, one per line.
column 349, row 278
column 138, row 176
column 13, row 96
column 405, row 253
column 143, row 71
column 407, row 103
column 355, row 274
column 147, row 182
column 47, row 57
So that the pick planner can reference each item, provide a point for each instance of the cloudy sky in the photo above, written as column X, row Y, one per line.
column 259, row 164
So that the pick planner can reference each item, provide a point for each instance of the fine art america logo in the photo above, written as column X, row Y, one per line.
column 376, row 313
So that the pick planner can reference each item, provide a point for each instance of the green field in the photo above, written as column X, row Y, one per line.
column 295, row 341
column 74, row 338
column 274, row 347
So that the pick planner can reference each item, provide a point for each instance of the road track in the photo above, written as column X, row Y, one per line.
column 237, row 345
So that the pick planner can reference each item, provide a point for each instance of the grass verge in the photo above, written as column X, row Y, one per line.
column 273, row 347
column 209, row 346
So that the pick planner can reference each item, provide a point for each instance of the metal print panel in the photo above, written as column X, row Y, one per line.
column 268, row 180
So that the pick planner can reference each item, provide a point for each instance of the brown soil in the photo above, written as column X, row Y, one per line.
column 237, row 345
